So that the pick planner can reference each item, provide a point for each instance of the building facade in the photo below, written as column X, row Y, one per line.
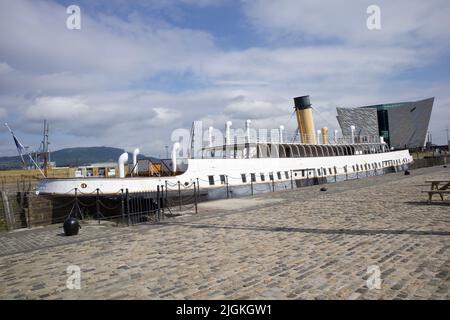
column 402, row 125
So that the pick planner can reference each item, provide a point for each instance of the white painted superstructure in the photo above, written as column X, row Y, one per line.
column 201, row 171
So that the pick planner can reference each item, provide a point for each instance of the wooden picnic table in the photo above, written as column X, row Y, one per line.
column 435, row 184
column 439, row 187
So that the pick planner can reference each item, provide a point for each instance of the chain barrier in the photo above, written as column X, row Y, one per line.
column 129, row 208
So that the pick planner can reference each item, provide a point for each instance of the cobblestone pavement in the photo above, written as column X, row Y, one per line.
column 300, row 244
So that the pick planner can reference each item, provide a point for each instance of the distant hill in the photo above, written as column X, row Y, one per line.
column 75, row 157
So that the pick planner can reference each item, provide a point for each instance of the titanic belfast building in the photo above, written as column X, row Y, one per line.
column 402, row 125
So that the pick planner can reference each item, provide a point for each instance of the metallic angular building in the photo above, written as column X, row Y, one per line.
column 403, row 125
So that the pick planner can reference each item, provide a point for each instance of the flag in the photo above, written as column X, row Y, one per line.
column 20, row 148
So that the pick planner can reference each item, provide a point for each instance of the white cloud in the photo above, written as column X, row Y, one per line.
column 3, row 112
column 403, row 22
column 85, row 81
column 252, row 109
column 58, row 109
column 5, row 68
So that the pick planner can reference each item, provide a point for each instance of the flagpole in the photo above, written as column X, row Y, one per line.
column 28, row 154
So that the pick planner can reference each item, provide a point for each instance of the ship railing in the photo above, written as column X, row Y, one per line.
column 294, row 138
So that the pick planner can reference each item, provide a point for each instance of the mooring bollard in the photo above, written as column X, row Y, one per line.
column 71, row 226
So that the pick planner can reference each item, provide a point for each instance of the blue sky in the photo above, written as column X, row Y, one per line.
column 135, row 72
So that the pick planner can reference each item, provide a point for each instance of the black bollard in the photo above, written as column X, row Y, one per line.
column 323, row 189
column 407, row 173
column 71, row 227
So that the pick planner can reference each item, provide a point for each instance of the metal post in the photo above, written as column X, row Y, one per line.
column 292, row 181
column 195, row 198
column 77, row 205
column 346, row 173
column 97, row 205
column 226, row 177
column 162, row 200
column 158, row 210
column 165, row 199
column 179, row 194
column 128, row 206
column 273, row 184
column 198, row 188
column 251, row 184
column 123, row 206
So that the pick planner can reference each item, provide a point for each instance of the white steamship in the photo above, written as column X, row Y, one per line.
column 311, row 158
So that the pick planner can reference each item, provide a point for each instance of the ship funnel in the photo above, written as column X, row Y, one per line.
column 324, row 135
column 176, row 146
column 135, row 166
column 121, row 162
column 305, row 120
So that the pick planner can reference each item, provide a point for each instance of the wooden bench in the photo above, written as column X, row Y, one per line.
column 436, row 189
column 435, row 184
column 439, row 192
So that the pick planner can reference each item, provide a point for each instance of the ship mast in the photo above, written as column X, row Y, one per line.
column 44, row 153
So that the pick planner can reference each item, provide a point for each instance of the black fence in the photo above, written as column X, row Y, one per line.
column 130, row 208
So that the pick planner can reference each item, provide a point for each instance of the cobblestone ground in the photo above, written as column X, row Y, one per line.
column 300, row 244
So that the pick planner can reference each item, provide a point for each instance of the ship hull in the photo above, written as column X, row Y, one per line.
column 200, row 171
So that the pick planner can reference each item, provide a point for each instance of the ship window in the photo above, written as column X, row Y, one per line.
column 357, row 167
column 262, row 177
column 329, row 170
column 279, row 175
column 253, row 177
column 295, row 174
column 353, row 168
column 271, row 176
column 244, row 177
column 211, row 180
column 222, row 179
column 286, row 173
column 319, row 172
column 335, row 170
